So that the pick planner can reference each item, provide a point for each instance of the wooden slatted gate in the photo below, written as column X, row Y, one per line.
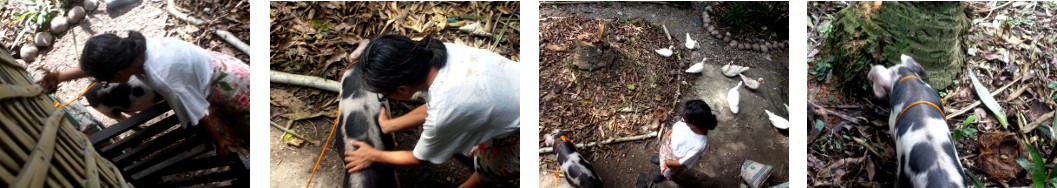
column 165, row 154
column 39, row 146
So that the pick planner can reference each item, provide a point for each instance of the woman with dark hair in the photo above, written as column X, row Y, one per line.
column 190, row 78
column 472, row 105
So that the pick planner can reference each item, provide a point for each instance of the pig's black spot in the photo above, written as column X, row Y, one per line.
column 938, row 178
column 115, row 112
column 924, row 157
column 94, row 95
column 352, row 86
column 356, row 126
column 117, row 95
column 138, row 91
column 902, row 127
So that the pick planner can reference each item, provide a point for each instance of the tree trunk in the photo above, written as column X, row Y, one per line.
column 869, row 33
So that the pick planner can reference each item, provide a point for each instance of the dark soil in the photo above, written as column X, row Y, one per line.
column 592, row 102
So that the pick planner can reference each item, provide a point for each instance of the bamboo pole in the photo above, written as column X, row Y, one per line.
column 33, row 173
column 608, row 141
column 307, row 81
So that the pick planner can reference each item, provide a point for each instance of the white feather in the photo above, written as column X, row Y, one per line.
column 690, row 43
column 731, row 70
column 665, row 52
column 749, row 82
column 777, row 121
column 732, row 98
column 697, row 67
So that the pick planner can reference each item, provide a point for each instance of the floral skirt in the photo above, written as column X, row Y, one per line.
column 229, row 89
column 498, row 159
column 666, row 154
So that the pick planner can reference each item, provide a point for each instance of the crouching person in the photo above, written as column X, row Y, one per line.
column 472, row 108
column 684, row 143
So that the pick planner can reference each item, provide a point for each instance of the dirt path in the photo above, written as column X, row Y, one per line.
column 745, row 136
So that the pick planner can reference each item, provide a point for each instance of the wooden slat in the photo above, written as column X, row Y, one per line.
column 203, row 163
column 135, row 120
column 205, row 179
column 159, row 165
column 112, row 150
column 58, row 177
column 158, row 143
column 21, row 91
column 90, row 167
column 32, row 174
column 8, row 60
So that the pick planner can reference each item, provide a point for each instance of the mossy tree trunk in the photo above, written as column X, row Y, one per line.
column 865, row 34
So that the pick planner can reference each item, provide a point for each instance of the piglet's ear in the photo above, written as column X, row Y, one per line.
column 909, row 62
column 882, row 80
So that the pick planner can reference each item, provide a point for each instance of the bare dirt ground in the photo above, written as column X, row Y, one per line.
column 745, row 136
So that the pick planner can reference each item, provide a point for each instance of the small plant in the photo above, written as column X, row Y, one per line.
column 822, row 67
column 965, row 131
column 607, row 3
column 1036, row 167
column 40, row 13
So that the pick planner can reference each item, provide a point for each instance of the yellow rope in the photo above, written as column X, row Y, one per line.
column 56, row 102
column 324, row 149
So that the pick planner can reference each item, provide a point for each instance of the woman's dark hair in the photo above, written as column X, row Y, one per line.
column 699, row 114
column 106, row 54
column 395, row 60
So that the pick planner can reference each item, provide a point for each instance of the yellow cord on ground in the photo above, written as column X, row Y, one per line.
column 324, row 149
column 56, row 102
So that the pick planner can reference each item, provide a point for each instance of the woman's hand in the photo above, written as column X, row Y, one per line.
column 222, row 146
column 383, row 118
column 50, row 82
column 359, row 159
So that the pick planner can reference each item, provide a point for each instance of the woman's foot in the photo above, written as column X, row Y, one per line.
column 655, row 159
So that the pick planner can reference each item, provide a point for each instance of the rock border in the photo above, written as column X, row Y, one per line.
column 43, row 39
column 759, row 45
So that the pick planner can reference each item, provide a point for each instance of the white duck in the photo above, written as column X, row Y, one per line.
column 690, row 43
column 733, row 97
column 731, row 70
column 665, row 52
column 750, row 83
column 777, row 121
column 697, row 67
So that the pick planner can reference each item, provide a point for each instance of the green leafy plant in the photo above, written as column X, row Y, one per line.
column 819, row 124
column 988, row 100
column 965, row 131
column 821, row 68
column 40, row 13
column 1035, row 167
column 972, row 177
column 1052, row 85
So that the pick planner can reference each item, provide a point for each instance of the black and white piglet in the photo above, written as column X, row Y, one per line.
column 577, row 170
column 116, row 99
column 923, row 144
column 358, row 120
